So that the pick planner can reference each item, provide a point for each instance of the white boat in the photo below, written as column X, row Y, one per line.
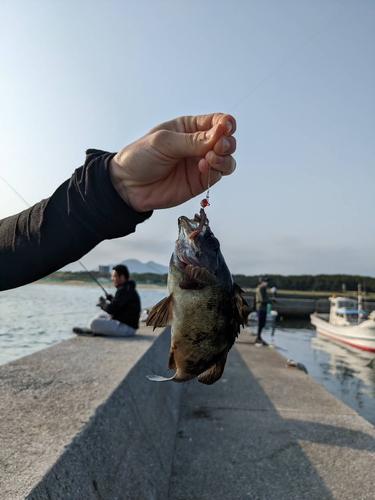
column 347, row 324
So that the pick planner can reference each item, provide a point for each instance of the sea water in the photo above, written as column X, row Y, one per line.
column 34, row 317
column 346, row 372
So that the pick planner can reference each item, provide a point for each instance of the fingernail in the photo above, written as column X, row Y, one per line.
column 229, row 126
column 226, row 145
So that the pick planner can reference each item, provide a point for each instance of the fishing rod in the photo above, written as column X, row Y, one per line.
column 28, row 204
column 102, row 287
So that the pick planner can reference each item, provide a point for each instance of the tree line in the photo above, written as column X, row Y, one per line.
column 309, row 283
column 306, row 282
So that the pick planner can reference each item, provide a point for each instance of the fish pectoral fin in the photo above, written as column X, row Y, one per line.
column 171, row 361
column 196, row 277
column 158, row 378
column 214, row 372
column 161, row 314
column 240, row 303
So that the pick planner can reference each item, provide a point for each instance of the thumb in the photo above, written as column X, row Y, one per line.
column 181, row 145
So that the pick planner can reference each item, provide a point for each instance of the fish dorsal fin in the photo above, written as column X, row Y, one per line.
column 161, row 314
column 196, row 277
column 171, row 361
column 214, row 372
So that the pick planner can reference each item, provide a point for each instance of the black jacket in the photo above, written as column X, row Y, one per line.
column 125, row 306
column 85, row 210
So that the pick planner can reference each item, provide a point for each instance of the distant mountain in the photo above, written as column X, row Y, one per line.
column 135, row 266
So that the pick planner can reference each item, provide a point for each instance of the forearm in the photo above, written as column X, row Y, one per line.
column 82, row 212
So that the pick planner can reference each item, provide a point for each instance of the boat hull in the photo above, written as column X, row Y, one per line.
column 360, row 336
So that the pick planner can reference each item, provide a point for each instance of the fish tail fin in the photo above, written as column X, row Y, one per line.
column 158, row 378
column 177, row 377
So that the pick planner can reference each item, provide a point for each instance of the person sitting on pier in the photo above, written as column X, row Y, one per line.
column 260, row 301
column 121, row 312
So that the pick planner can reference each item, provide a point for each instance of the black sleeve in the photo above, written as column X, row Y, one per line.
column 82, row 212
column 117, row 303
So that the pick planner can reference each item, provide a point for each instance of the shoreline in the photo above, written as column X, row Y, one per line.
column 92, row 284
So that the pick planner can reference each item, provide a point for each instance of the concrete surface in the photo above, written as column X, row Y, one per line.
column 80, row 420
column 268, row 432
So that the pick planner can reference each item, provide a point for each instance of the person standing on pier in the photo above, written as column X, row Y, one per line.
column 261, row 301
column 121, row 312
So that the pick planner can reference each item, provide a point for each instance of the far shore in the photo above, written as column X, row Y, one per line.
column 105, row 285
column 140, row 286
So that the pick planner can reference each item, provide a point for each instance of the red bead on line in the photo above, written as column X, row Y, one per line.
column 204, row 202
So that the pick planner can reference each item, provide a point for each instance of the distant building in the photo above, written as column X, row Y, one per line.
column 104, row 269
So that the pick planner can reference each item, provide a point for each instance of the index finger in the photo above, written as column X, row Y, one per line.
column 205, row 122
column 198, row 123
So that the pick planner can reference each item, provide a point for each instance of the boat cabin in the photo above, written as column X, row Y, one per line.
column 343, row 311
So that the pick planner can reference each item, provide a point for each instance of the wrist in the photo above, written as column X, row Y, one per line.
column 116, row 175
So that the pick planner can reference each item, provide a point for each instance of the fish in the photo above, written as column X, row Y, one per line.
column 204, row 306
column 294, row 364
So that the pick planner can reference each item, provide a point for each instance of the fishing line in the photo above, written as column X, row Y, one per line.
column 208, row 185
column 28, row 204
column 206, row 201
column 84, row 267
column 14, row 191
column 288, row 59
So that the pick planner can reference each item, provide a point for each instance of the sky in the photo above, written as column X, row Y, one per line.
column 299, row 78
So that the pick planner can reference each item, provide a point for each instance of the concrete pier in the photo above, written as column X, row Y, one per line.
column 269, row 432
column 295, row 306
column 81, row 421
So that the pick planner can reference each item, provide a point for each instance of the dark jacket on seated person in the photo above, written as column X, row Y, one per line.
column 125, row 306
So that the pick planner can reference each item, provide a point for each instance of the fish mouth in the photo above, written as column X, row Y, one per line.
column 188, row 229
column 193, row 226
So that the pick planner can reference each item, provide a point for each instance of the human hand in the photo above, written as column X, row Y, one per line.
column 101, row 301
column 170, row 164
